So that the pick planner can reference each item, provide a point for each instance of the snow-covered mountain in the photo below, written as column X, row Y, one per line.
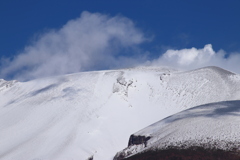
column 89, row 114
column 212, row 126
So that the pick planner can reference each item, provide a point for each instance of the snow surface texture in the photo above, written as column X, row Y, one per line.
column 92, row 114
column 5, row 84
column 213, row 126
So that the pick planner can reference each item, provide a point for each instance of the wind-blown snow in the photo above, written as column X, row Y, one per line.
column 93, row 113
column 214, row 126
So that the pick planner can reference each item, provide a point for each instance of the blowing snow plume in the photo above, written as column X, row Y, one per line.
column 92, row 41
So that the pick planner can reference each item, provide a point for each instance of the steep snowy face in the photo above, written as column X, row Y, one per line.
column 211, row 126
column 92, row 114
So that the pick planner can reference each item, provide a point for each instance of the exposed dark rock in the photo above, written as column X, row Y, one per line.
column 119, row 156
column 193, row 153
column 90, row 158
column 135, row 140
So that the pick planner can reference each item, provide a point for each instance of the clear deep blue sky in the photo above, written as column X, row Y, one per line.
column 174, row 23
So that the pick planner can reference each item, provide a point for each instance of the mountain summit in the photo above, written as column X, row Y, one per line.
column 92, row 114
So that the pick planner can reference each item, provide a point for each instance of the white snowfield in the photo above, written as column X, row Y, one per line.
column 77, row 116
column 213, row 126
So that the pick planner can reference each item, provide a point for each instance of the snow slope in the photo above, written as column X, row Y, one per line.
column 211, row 126
column 93, row 113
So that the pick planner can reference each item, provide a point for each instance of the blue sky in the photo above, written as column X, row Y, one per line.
column 162, row 25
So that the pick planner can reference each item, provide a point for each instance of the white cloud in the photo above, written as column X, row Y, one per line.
column 93, row 41
column 195, row 58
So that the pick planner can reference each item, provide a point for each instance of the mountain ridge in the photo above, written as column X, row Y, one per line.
column 93, row 113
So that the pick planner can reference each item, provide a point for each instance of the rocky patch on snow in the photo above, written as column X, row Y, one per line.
column 122, row 85
column 6, row 84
